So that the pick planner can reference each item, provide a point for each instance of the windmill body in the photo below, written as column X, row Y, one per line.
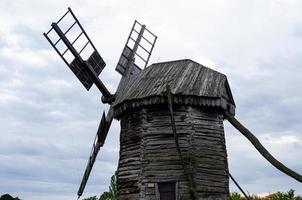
column 172, row 143
column 149, row 166
column 156, row 162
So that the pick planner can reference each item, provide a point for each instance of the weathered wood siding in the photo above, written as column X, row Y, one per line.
column 129, row 167
column 210, row 157
column 148, row 152
column 191, row 83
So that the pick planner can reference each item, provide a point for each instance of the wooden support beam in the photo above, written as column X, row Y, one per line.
column 188, row 174
column 253, row 139
column 242, row 191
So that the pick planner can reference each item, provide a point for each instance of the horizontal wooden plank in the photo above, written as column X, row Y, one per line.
column 149, row 154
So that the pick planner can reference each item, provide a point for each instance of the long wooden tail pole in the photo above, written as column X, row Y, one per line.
column 253, row 139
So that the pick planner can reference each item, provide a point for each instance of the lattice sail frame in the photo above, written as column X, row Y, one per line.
column 78, row 65
column 139, row 46
column 88, row 69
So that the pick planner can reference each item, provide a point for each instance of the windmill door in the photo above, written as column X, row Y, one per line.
column 167, row 191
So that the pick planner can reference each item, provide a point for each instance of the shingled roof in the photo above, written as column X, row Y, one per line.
column 191, row 84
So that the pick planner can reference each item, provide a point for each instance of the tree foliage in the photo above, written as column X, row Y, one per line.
column 91, row 198
column 112, row 194
column 8, row 197
column 290, row 195
column 108, row 195
column 235, row 196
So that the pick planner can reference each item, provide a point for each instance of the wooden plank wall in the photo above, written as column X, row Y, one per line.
column 210, row 157
column 148, row 153
column 129, row 167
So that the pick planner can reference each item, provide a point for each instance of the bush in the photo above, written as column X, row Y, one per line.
column 235, row 196
column 8, row 197
column 290, row 195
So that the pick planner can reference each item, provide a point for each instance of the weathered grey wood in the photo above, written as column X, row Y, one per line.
column 149, row 154
column 191, row 84
column 252, row 138
column 148, row 151
column 188, row 173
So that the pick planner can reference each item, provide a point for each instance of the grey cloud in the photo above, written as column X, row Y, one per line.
column 49, row 120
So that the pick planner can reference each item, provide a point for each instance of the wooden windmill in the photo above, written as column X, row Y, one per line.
column 172, row 143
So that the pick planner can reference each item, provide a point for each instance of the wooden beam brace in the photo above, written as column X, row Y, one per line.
column 242, row 191
column 188, row 174
column 256, row 143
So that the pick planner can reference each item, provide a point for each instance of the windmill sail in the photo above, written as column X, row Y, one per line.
column 98, row 142
column 83, row 59
column 79, row 54
column 137, row 50
column 126, row 65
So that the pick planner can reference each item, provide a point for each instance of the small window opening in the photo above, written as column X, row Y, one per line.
column 167, row 191
column 229, row 107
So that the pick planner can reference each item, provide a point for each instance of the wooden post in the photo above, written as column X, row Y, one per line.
column 238, row 186
column 188, row 174
column 253, row 139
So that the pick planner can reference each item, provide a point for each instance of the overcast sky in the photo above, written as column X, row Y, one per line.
column 48, row 120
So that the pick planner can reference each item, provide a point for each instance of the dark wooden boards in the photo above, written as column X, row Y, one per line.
column 191, row 83
column 148, row 152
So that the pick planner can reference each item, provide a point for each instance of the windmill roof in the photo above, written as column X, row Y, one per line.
column 190, row 83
